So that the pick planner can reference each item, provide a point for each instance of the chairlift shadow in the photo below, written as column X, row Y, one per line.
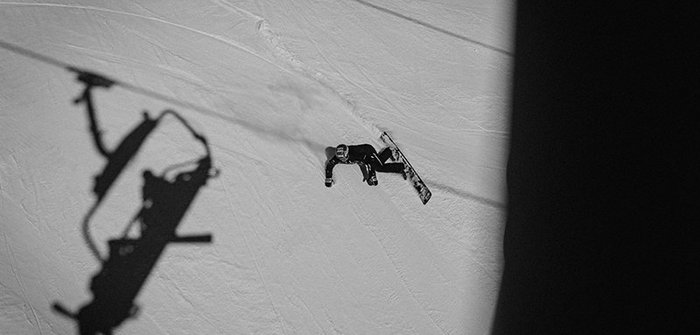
column 166, row 197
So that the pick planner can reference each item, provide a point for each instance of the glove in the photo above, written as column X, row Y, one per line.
column 329, row 182
column 372, row 181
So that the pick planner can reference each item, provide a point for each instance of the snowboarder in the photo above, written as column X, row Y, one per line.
column 368, row 159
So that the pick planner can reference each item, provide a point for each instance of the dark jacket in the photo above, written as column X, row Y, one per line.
column 362, row 153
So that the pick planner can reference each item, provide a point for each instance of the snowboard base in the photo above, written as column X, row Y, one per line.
column 423, row 192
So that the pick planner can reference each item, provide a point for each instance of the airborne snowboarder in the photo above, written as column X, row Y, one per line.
column 368, row 159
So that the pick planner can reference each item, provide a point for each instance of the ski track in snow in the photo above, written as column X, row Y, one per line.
column 264, row 30
column 273, row 41
column 150, row 18
column 382, row 235
column 203, row 110
column 402, row 279
column 256, row 263
column 380, row 239
column 183, row 295
column 372, row 128
column 156, row 323
column 21, row 285
column 288, row 57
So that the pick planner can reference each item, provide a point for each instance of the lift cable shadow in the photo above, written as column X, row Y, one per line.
column 161, row 97
column 435, row 28
column 165, row 201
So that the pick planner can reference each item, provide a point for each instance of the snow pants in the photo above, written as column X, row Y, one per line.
column 377, row 163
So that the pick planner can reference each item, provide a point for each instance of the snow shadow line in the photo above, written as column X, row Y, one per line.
column 438, row 29
column 280, row 134
column 466, row 195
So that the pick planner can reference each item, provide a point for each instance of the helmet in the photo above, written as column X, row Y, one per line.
column 341, row 151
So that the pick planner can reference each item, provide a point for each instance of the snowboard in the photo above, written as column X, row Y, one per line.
column 423, row 192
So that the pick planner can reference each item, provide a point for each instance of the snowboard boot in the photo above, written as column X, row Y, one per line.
column 394, row 154
column 372, row 181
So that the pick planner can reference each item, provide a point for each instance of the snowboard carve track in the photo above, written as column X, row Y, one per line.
column 287, row 56
column 263, row 29
column 150, row 18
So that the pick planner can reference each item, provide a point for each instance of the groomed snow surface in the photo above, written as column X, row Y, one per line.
column 284, row 80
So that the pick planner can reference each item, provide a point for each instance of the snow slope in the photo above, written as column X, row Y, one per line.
column 274, row 84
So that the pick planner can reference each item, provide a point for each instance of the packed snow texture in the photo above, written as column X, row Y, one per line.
column 275, row 83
